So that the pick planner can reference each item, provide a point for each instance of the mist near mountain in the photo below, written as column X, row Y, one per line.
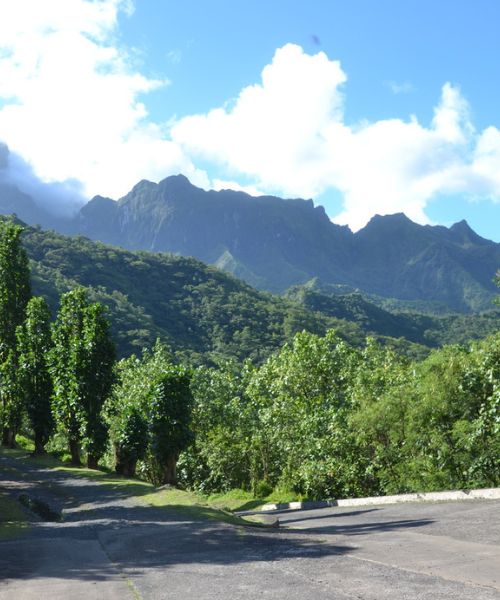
column 25, row 193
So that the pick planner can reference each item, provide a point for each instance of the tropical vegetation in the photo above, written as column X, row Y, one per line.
column 317, row 414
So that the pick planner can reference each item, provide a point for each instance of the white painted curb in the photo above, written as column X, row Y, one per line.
column 483, row 494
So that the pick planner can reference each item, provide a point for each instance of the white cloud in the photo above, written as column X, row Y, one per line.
column 400, row 88
column 288, row 134
column 72, row 104
column 222, row 184
column 273, row 126
column 70, row 97
column 485, row 168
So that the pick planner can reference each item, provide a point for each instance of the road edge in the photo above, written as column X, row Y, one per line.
column 453, row 495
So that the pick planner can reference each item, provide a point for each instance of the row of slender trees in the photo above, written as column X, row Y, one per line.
column 59, row 374
column 63, row 376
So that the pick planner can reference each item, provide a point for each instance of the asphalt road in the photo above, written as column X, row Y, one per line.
column 110, row 547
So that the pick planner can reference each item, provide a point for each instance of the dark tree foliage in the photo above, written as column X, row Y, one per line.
column 34, row 342
column 15, row 292
column 99, row 360
column 131, row 442
column 81, row 365
column 170, row 407
column 150, row 414
column 12, row 398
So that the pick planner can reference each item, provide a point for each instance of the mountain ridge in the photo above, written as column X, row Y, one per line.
column 273, row 243
column 206, row 315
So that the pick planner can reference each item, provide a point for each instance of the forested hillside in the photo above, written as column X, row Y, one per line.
column 319, row 415
column 197, row 310
column 273, row 244
column 206, row 314
column 421, row 328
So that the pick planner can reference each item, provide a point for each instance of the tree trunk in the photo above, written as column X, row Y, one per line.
column 92, row 461
column 74, row 448
column 170, row 471
column 9, row 438
column 129, row 468
column 39, row 445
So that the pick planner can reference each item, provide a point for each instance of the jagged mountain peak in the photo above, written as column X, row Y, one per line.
column 386, row 222
column 275, row 243
column 464, row 232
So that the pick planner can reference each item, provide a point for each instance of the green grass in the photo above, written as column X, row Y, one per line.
column 234, row 500
column 12, row 518
column 189, row 504
column 240, row 500
column 195, row 506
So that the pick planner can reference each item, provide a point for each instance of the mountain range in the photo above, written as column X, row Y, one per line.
column 206, row 315
column 273, row 243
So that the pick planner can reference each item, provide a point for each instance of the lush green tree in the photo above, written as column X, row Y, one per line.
column 224, row 424
column 14, row 295
column 131, row 441
column 303, row 400
column 380, row 396
column 481, row 383
column 81, row 366
column 150, row 414
column 34, row 343
column 170, row 406
column 433, row 425
column 128, row 409
column 12, row 398
column 99, row 352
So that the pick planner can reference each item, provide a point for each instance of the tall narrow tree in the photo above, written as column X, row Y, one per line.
column 170, row 407
column 14, row 295
column 99, row 358
column 34, row 343
column 81, row 364
column 12, row 399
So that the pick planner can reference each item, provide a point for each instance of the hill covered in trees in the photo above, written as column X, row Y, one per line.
column 321, row 416
column 205, row 314
column 198, row 310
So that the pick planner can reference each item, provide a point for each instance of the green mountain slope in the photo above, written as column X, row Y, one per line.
column 428, row 330
column 273, row 243
column 198, row 310
column 206, row 314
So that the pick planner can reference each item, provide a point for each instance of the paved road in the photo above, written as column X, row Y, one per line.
column 110, row 547
column 455, row 542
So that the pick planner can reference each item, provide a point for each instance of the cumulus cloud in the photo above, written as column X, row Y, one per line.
column 273, row 126
column 73, row 106
column 70, row 97
column 289, row 134
column 222, row 184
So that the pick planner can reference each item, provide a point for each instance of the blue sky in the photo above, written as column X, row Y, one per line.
column 368, row 107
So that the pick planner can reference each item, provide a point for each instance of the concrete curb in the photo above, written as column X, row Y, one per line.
column 455, row 495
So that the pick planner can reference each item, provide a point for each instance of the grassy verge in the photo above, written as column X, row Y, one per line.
column 241, row 500
column 191, row 505
column 12, row 517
